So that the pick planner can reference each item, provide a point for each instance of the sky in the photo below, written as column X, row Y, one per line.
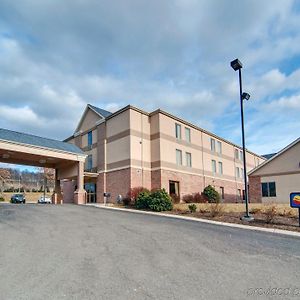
column 58, row 55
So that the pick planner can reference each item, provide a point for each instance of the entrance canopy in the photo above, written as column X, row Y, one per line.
column 26, row 149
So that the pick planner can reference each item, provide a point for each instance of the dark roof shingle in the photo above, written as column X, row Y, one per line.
column 29, row 139
column 101, row 111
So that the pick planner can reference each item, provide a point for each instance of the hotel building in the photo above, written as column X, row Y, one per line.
column 133, row 148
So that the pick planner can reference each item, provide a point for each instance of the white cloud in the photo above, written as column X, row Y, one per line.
column 56, row 57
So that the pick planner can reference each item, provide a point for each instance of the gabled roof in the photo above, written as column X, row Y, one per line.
column 99, row 111
column 33, row 140
column 268, row 156
column 274, row 156
column 102, row 112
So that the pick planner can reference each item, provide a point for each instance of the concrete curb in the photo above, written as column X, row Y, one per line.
column 234, row 225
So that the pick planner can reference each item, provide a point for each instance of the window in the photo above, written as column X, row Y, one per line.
column 236, row 154
column 237, row 172
column 239, row 194
column 213, row 166
column 174, row 188
column 268, row 189
column 178, row 131
column 222, row 193
column 187, row 134
column 220, row 167
column 188, row 157
column 212, row 145
column 242, row 173
column 89, row 165
column 241, row 155
column 90, row 138
column 219, row 147
column 178, row 157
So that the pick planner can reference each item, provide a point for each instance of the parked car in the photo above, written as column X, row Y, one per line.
column 44, row 200
column 17, row 198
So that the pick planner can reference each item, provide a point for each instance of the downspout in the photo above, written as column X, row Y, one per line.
column 202, row 160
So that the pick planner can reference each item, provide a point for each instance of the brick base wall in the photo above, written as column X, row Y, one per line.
column 68, row 188
column 255, row 195
column 100, row 188
column 119, row 182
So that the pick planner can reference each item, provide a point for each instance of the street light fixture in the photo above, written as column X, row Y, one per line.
column 237, row 66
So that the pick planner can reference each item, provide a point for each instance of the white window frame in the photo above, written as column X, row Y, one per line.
column 188, row 159
column 212, row 145
column 178, row 131
column 178, row 157
column 237, row 172
column 219, row 147
column 220, row 167
column 213, row 166
column 187, row 132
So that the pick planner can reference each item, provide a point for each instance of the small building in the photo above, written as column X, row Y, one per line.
column 276, row 178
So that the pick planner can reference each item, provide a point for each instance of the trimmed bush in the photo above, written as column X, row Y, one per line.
column 143, row 199
column 194, row 198
column 192, row 208
column 211, row 194
column 133, row 193
column 2, row 199
column 188, row 198
column 160, row 201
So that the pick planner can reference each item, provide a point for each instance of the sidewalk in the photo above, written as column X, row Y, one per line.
column 160, row 214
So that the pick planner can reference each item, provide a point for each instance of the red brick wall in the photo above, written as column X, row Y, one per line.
column 118, row 183
column 189, row 184
column 156, row 179
column 100, row 188
column 255, row 189
column 68, row 188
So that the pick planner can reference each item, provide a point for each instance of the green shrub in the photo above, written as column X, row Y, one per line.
column 133, row 193
column 160, row 201
column 143, row 199
column 211, row 194
column 192, row 208
column 2, row 199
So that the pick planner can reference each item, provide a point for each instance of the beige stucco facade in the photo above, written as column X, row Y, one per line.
column 283, row 171
column 133, row 148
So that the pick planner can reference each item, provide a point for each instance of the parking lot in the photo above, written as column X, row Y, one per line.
column 80, row 252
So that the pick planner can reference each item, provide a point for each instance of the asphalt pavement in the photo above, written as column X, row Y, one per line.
column 81, row 252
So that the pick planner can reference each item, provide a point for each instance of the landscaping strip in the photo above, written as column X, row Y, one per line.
column 241, row 226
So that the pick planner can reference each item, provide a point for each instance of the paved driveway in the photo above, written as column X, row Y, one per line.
column 78, row 252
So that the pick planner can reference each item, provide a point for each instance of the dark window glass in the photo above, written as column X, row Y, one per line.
column 272, row 189
column 264, row 189
column 90, row 138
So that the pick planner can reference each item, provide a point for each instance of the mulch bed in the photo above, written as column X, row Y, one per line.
column 279, row 222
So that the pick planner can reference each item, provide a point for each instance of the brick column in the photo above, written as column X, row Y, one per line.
column 255, row 195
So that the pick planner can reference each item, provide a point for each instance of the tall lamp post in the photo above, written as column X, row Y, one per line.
column 237, row 66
